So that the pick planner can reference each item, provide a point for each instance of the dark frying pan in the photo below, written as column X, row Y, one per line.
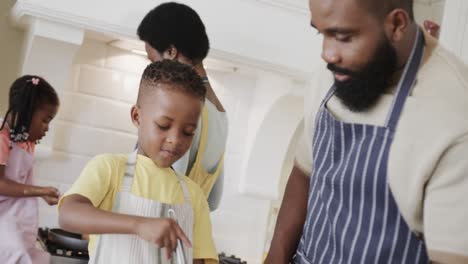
column 68, row 240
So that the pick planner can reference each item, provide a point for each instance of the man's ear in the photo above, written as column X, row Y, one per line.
column 396, row 24
column 171, row 53
column 135, row 115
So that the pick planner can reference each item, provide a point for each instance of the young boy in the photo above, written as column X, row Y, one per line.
column 135, row 205
column 175, row 31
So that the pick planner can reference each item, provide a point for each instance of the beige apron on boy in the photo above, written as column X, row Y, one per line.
column 126, row 249
column 198, row 173
column 19, row 216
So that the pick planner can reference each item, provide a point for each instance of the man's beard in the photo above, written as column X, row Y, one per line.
column 364, row 88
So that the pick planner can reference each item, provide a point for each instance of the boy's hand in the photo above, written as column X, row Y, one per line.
column 163, row 232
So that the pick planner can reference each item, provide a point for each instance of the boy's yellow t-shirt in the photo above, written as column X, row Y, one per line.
column 101, row 178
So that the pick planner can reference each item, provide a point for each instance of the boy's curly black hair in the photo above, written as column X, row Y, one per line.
column 175, row 24
column 176, row 75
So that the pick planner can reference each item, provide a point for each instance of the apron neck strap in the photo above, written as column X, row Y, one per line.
column 407, row 81
column 184, row 187
column 127, row 180
column 130, row 173
column 131, row 164
column 329, row 95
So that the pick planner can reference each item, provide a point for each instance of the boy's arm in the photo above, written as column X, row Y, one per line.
column 198, row 261
column 77, row 214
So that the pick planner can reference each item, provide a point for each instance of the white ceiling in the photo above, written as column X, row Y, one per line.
column 429, row 2
column 302, row 3
column 301, row 6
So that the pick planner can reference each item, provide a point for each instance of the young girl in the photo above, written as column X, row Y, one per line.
column 136, row 203
column 33, row 103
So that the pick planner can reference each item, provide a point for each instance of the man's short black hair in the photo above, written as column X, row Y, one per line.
column 383, row 7
column 175, row 24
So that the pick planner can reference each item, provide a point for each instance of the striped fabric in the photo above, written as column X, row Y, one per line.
column 352, row 215
column 118, row 248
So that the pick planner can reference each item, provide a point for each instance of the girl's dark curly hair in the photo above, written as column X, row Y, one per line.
column 27, row 94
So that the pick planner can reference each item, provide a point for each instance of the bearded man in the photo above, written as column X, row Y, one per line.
column 381, row 173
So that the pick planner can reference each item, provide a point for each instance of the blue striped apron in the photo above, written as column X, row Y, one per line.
column 352, row 216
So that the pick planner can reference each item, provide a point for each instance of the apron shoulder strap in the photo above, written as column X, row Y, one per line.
column 407, row 81
column 329, row 95
column 184, row 187
column 129, row 174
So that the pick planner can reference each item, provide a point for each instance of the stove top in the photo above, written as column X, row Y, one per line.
column 224, row 259
column 60, row 254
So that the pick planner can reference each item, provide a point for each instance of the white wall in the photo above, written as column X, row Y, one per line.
column 251, row 29
column 10, row 49
column 272, row 129
column 429, row 10
column 454, row 34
